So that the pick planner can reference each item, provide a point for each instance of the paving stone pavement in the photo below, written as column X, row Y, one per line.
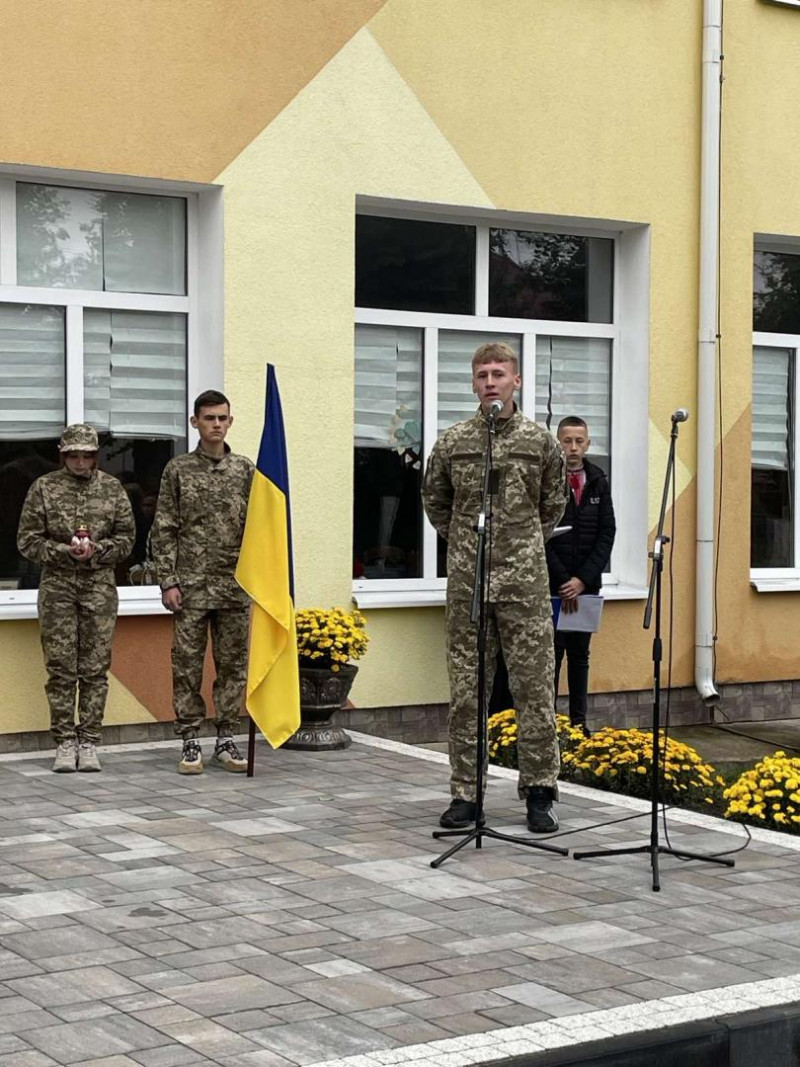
column 155, row 920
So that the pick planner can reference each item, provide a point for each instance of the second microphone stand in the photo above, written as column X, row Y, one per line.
column 479, row 618
column 654, row 849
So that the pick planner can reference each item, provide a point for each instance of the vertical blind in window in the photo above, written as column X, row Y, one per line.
column 573, row 377
column 134, row 370
column 388, row 392
column 32, row 389
column 770, row 447
column 456, row 349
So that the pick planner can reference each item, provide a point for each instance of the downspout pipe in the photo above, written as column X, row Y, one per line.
column 707, row 349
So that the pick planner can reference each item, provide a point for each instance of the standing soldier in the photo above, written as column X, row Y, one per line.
column 528, row 502
column 197, row 534
column 77, row 523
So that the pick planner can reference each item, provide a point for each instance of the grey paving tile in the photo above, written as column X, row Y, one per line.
column 231, row 994
column 208, row 1038
column 69, row 987
column 358, row 992
column 167, row 1056
column 695, row 972
column 26, row 1058
column 331, row 1037
column 70, row 1043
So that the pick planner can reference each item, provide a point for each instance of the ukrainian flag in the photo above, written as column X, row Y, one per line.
column 264, row 571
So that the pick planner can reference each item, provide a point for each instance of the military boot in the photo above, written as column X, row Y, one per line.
column 541, row 817
column 66, row 757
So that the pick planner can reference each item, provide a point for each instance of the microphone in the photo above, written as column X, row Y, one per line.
column 495, row 408
column 681, row 415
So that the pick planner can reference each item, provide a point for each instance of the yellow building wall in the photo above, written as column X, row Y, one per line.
column 567, row 107
column 449, row 103
column 761, row 157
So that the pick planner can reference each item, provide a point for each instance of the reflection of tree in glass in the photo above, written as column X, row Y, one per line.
column 537, row 275
column 60, row 236
column 776, row 292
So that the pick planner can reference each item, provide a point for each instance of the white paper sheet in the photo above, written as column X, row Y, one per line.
column 586, row 619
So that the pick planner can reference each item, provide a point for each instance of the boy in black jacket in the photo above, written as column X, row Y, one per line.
column 576, row 560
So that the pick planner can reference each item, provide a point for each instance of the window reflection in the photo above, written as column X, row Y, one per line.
column 550, row 276
column 776, row 292
column 408, row 265
column 89, row 239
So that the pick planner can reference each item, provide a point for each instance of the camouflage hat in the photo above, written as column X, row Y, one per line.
column 80, row 437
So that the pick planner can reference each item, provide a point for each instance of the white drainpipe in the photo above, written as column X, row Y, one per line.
column 707, row 350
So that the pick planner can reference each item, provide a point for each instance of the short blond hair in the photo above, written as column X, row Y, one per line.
column 495, row 352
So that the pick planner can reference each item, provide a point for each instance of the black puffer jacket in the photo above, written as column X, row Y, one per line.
column 584, row 552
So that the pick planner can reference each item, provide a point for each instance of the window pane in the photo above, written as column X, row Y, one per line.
column 89, row 239
column 573, row 377
column 772, row 462
column 32, row 412
column 387, row 510
column 138, row 462
column 456, row 400
column 134, row 372
column 414, row 266
column 550, row 276
column 32, row 386
column 776, row 292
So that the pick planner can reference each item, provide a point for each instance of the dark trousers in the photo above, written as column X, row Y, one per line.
column 576, row 647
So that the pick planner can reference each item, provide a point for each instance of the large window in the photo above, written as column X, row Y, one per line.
column 97, row 291
column 428, row 293
column 774, row 532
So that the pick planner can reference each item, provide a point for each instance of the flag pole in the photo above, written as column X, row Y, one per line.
column 251, row 746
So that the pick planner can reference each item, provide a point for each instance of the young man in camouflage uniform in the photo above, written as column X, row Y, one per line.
column 529, row 501
column 77, row 591
column 197, row 534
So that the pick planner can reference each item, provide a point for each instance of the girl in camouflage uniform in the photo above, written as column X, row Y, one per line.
column 77, row 591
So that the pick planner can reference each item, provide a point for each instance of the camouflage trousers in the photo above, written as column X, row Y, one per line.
column 525, row 634
column 229, row 629
column 76, row 622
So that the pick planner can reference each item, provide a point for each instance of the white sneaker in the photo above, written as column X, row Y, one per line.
column 227, row 754
column 66, row 757
column 191, row 761
column 87, row 757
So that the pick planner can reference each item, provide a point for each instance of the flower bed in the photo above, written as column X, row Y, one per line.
column 768, row 794
column 619, row 760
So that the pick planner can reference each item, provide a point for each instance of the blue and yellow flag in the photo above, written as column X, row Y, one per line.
column 265, row 573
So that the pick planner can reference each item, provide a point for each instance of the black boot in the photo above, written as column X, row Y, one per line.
column 541, row 817
column 459, row 815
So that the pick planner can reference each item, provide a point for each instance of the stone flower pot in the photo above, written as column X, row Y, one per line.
column 322, row 694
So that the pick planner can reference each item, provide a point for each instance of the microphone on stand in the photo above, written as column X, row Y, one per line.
column 681, row 415
column 494, row 409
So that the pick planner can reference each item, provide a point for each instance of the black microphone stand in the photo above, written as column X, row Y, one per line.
column 478, row 616
column 654, row 849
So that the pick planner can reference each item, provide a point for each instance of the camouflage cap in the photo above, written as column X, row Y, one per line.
column 80, row 437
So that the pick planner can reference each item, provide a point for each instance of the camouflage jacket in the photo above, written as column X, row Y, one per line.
column 198, row 527
column 530, row 499
column 56, row 505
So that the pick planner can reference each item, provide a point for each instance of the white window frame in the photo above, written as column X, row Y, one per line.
column 782, row 579
column 629, row 336
column 202, row 304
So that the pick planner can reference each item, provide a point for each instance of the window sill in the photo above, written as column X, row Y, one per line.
column 776, row 585
column 371, row 599
column 21, row 604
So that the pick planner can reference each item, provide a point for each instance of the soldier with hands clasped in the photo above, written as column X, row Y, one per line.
column 77, row 524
